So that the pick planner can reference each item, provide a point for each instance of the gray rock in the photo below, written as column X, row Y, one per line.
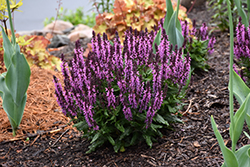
column 58, row 41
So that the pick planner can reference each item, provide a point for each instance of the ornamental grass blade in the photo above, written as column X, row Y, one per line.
column 240, row 89
column 243, row 156
column 229, row 157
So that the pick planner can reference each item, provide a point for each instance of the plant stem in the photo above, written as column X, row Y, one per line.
column 13, row 38
column 231, row 71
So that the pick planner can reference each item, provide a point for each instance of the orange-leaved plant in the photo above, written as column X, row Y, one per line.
column 138, row 14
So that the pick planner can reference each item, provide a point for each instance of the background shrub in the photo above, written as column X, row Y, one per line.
column 75, row 17
column 136, row 14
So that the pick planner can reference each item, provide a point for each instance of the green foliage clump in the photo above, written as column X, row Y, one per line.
column 77, row 17
column 104, row 6
column 220, row 17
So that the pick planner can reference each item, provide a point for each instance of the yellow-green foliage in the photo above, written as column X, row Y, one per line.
column 13, row 7
column 139, row 14
column 36, row 53
column 34, row 49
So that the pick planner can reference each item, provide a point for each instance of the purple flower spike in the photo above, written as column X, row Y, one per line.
column 210, row 46
column 203, row 32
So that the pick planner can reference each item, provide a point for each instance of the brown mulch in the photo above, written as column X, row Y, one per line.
column 41, row 111
column 190, row 144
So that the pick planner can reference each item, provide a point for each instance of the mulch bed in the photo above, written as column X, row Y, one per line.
column 54, row 143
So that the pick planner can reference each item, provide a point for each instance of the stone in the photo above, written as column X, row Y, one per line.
column 189, row 3
column 81, row 27
column 80, row 31
column 58, row 25
column 58, row 41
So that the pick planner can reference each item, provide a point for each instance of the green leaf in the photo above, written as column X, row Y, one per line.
column 18, row 76
column 126, row 133
column 13, row 111
column 160, row 119
column 134, row 138
column 111, row 140
column 243, row 156
column 8, row 49
column 97, row 135
column 174, row 35
column 169, row 14
column 240, row 89
column 157, row 41
column 117, row 145
column 148, row 140
column 238, row 120
column 242, row 13
column 247, row 135
column 119, row 127
column 229, row 156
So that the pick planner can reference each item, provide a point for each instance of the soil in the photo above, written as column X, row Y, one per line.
column 45, row 139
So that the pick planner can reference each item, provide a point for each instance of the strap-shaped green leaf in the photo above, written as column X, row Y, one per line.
column 18, row 76
column 240, row 89
column 229, row 157
column 169, row 13
column 174, row 35
column 242, row 13
column 8, row 49
column 243, row 156
column 157, row 40
column 238, row 119
column 13, row 111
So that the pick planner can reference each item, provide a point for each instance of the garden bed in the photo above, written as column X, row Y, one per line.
column 52, row 142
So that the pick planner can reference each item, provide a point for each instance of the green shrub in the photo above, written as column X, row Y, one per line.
column 75, row 18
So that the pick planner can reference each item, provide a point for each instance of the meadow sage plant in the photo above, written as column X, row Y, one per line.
column 198, row 44
column 124, row 94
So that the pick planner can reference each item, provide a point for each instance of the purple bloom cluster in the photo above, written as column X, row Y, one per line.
column 201, row 33
column 242, row 44
column 114, row 75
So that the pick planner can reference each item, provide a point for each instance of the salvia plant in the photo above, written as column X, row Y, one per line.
column 124, row 94
column 197, row 44
column 237, row 87
column 242, row 51
column 14, row 83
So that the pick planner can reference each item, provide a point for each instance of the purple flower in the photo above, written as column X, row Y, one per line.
column 127, row 113
column 210, row 45
column 203, row 32
column 110, row 96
